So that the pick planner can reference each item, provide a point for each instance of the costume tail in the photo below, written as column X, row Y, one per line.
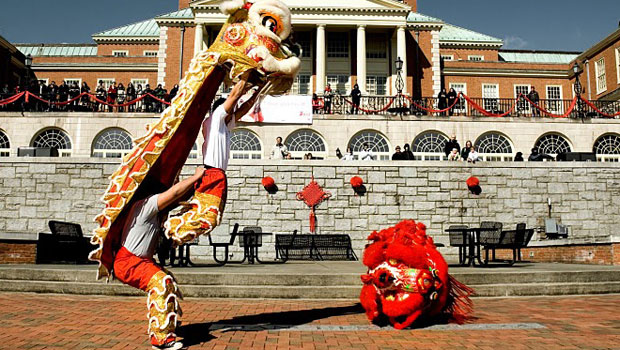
column 459, row 306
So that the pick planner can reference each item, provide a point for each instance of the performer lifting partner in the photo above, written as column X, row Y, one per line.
column 134, row 264
column 209, row 198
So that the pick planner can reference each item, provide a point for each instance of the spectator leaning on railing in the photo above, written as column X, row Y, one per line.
column 279, row 150
column 451, row 144
column 535, row 98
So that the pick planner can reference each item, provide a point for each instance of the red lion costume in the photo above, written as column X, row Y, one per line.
column 408, row 279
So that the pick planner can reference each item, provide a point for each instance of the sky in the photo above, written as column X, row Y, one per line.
column 565, row 25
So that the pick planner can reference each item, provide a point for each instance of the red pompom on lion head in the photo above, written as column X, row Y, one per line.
column 408, row 278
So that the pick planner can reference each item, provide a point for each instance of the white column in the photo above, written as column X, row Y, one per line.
column 361, row 57
column 320, row 58
column 198, row 39
column 436, row 62
column 401, row 51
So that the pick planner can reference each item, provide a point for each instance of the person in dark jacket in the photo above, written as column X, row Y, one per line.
column 535, row 98
column 63, row 93
column 85, row 89
column 356, row 96
column 131, row 95
column 442, row 101
column 538, row 157
column 52, row 92
column 74, row 91
column 407, row 154
column 450, row 145
column 452, row 96
column 465, row 151
column 174, row 92
column 148, row 100
column 398, row 155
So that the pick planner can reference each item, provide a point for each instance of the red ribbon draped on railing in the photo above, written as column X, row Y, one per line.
column 565, row 115
column 599, row 111
column 370, row 110
column 28, row 94
column 11, row 99
column 487, row 113
column 430, row 110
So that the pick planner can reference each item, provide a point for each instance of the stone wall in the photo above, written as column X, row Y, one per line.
column 583, row 195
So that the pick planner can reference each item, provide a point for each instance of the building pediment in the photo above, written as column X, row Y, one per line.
column 332, row 5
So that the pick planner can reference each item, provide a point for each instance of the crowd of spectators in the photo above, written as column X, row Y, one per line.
column 153, row 101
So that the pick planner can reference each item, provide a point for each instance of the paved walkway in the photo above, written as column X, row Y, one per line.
column 31, row 321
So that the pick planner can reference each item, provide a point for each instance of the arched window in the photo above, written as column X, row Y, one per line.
column 429, row 145
column 494, row 146
column 552, row 144
column 54, row 138
column 305, row 141
column 377, row 143
column 5, row 145
column 112, row 143
column 607, row 148
column 244, row 144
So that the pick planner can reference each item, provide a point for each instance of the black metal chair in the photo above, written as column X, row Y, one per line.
column 490, row 239
column 457, row 239
column 225, row 246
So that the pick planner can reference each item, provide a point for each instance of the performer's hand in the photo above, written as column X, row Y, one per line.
column 245, row 107
column 235, row 94
column 199, row 172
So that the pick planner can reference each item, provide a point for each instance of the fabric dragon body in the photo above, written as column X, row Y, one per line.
column 408, row 279
column 251, row 40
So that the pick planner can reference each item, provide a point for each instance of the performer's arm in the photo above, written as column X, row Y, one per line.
column 235, row 94
column 244, row 108
column 177, row 191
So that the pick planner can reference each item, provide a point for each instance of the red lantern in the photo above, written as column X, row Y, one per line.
column 472, row 182
column 357, row 182
column 268, row 183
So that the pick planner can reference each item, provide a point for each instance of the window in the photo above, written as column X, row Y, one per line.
column 72, row 81
column 376, row 85
column 601, row 79
column 429, row 145
column 244, row 144
column 5, row 145
column 54, row 138
column 301, row 85
column 490, row 96
column 607, row 148
column 112, row 143
column 552, row 144
column 554, row 99
column 339, row 83
column 494, row 147
column 376, row 46
column 461, row 105
column 337, row 44
column 377, row 143
column 107, row 82
column 305, row 141
column 137, row 82
column 447, row 57
column 475, row 58
column 618, row 65
column 150, row 53
column 522, row 105
column 193, row 154
column 120, row 53
column 303, row 39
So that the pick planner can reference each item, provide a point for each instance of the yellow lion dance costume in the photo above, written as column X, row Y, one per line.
column 254, row 39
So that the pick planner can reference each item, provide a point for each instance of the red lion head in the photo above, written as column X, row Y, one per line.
column 408, row 278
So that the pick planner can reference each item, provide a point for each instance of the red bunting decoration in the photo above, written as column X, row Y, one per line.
column 268, row 183
column 357, row 182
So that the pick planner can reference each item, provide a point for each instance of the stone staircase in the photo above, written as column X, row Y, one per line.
column 324, row 280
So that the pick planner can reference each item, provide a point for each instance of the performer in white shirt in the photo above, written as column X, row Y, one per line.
column 209, row 198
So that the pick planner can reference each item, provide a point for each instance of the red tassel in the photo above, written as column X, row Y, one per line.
column 459, row 306
column 312, row 220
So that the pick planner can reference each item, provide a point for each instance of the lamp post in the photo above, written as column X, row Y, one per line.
column 578, row 89
column 28, row 64
column 400, row 107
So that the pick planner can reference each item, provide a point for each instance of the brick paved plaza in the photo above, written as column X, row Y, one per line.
column 33, row 321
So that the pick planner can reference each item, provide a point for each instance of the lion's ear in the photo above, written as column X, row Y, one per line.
column 231, row 6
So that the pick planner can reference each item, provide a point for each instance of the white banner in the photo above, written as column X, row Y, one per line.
column 286, row 109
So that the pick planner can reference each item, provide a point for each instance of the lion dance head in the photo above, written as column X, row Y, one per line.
column 408, row 280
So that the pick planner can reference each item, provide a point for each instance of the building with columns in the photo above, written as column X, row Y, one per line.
column 344, row 42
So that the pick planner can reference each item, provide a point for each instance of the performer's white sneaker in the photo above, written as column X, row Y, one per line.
column 173, row 345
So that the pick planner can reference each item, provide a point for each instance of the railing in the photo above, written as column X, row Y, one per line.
column 334, row 104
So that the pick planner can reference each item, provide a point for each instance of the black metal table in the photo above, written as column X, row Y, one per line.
column 251, row 241
column 471, row 235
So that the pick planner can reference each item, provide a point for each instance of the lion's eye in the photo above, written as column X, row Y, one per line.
column 271, row 24
column 393, row 262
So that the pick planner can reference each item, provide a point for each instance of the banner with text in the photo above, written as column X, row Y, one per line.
column 287, row 109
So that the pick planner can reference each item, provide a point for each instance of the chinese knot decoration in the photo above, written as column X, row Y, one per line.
column 313, row 195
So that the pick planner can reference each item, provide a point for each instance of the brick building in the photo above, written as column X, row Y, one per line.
column 344, row 42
